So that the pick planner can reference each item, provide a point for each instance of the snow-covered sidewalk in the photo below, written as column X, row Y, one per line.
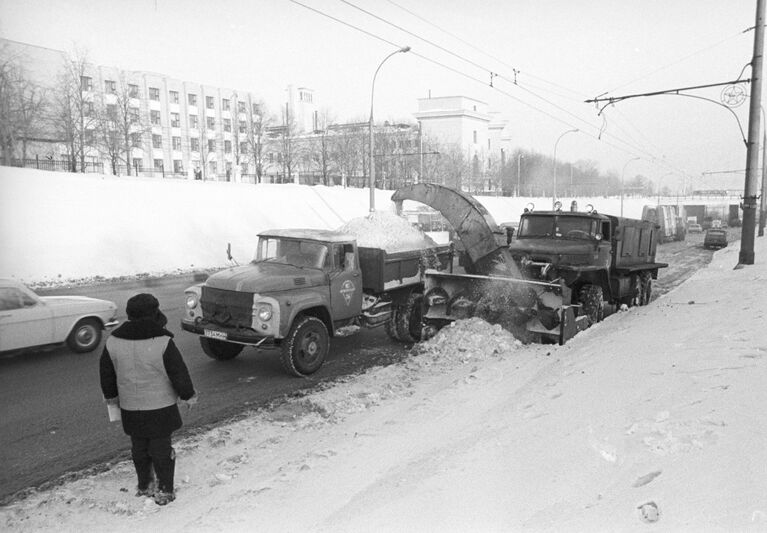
column 654, row 416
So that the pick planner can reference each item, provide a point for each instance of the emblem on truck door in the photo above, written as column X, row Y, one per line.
column 347, row 289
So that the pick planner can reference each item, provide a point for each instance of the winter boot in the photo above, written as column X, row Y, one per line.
column 164, row 498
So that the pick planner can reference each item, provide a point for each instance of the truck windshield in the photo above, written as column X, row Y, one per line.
column 567, row 227
column 291, row 252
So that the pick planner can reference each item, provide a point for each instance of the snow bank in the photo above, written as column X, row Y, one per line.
column 59, row 227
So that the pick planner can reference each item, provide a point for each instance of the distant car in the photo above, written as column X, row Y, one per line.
column 31, row 321
column 715, row 238
column 694, row 228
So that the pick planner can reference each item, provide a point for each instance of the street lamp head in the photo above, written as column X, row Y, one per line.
column 404, row 49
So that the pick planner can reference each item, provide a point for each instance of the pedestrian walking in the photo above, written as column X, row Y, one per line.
column 144, row 373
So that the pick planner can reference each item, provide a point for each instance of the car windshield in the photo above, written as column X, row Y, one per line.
column 561, row 226
column 291, row 252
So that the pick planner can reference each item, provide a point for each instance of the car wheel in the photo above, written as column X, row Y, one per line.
column 408, row 324
column 306, row 346
column 390, row 326
column 220, row 350
column 85, row 336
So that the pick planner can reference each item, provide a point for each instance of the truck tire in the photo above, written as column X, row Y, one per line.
column 85, row 336
column 391, row 325
column 220, row 350
column 645, row 283
column 591, row 299
column 408, row 324
column 306, row 346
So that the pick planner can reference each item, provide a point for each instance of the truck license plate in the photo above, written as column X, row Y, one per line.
column 213, row 334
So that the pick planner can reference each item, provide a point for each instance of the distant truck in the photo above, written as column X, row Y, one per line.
column 301, row 288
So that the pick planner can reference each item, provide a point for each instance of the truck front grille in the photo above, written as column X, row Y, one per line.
column 227, row 308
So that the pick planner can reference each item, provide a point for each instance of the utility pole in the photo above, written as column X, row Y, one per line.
column 746, row 256
column 763, row 202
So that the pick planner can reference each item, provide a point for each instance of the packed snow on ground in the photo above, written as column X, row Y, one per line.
column 388, row 231
column 58, row 228
column 653, row 418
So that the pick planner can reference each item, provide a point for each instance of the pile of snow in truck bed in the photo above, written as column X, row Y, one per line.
column 386, row 230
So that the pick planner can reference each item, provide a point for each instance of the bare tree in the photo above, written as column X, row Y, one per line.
column 255, row 137
column 22, row 107
column 120, row 125
column 319, row 152
column 347, row 148
column 74, row 115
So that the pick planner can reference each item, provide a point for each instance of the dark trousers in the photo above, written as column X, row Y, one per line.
column 157, row 453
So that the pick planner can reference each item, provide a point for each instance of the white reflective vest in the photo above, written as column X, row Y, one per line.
column 142, row 382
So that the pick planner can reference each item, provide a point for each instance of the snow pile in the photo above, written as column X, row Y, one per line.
column 388, row 231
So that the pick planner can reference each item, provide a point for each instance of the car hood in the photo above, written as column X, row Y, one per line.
column 78, row 303
column 265, row 277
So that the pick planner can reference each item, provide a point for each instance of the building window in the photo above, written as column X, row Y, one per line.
column 156, row 141
column 475, row 136
column 488, row 144
column 154, row 117
column 209, row 102
column 227, row 124
column 158, row 164
column 225, row 104
column 138, row 164
column 211, row 122
column 175, row 120
column 193, row 121
column 173, row 97
column 255, row 109
column 110, row 87
column 211, row 145
column 135, row 140
column 178, row 166
column 86, row 83
column 87, row 108
column 132, row 90
column 228, row 147
column 194, row 144
column 154, row 93
column 243, row 126
column 243, row 147
column 88, row 137
column 111, row 111
column 191, row 99
column 176, row 143
column 213, row 168
column 241, row 107
column 133, row 115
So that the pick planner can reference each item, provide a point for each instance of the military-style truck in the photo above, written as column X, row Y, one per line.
column 553, row 279
column 302, row 286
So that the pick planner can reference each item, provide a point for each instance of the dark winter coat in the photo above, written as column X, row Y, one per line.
column 148, row 423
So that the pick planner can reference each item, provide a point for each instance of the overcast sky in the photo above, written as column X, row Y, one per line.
column 563, row 52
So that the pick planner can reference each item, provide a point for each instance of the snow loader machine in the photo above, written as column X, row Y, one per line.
column 556, row 278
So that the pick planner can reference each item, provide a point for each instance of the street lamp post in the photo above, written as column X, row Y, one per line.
column 623, row 174
column 554, row 196
column 371, row 162
column 519, row 175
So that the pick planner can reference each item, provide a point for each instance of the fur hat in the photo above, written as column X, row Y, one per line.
column 142, row 305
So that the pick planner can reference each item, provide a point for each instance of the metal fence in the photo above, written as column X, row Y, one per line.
column 62, row 165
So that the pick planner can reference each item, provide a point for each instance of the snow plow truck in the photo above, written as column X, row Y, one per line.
column 556, row 277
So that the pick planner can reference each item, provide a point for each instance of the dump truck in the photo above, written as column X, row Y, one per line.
column 301, row 288
column 552, row 280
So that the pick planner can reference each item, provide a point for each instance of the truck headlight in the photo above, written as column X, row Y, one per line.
column 191, row 300
column 264, row 312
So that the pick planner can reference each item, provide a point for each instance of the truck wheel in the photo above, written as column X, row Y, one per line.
column 591, row 298
column 408, row 324
column 85, row 336
column 220, row 350
column 305, row 347
column 391, row 325
column 646, row 288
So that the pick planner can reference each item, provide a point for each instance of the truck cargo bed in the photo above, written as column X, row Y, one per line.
column 383, row 271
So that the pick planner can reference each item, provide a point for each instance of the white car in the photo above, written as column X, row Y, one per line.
column 29, row 321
